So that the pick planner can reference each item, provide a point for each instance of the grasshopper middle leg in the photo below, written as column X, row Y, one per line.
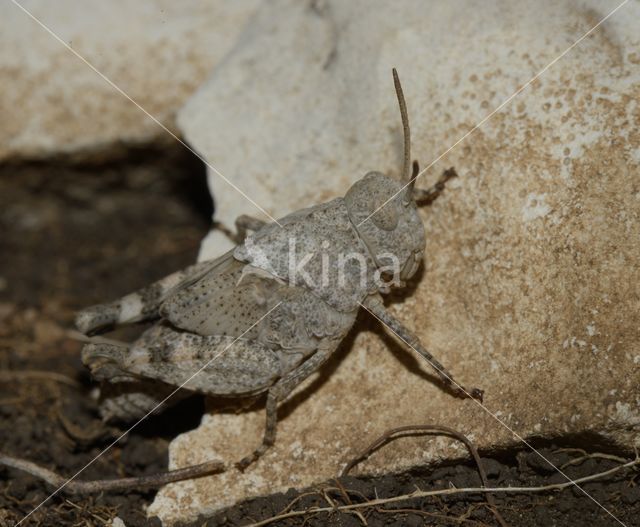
column 246, row 223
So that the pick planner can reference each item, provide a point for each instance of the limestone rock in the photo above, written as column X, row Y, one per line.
column 531, row 283
column 157, row 52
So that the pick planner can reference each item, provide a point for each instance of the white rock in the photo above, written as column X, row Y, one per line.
column 157, row 52
column 305, row 105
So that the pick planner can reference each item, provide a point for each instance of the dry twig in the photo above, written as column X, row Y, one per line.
column 430, row 429
column 15, row 375
column 103, row 485
column 447, row 492
column 77, row 433
column 597, row 455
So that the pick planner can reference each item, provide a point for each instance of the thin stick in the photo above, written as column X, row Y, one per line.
column 13, row 375
column 430, row 429
column 95, row 339
column 447, row 492
column 104, row 485
column 586, row 456
column 463, row 518
column 78, row 433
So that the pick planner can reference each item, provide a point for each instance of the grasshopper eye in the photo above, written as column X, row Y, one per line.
column 386, row 218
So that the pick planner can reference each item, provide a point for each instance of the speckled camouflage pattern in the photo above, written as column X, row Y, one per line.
column 324, row 230
column 393, row 229
column 252, row 320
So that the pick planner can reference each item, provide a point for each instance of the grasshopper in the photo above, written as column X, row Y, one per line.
column 250, row 320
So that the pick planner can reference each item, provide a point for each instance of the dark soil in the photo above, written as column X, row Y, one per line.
column 619, row 494
column 76, row 233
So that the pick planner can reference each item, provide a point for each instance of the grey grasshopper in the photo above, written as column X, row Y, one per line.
column 250, row 322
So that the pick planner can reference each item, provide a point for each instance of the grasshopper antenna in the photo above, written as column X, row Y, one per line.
column 406, row 175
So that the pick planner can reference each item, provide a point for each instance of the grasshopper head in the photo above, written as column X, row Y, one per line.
column 391, row 228
column 385, row 214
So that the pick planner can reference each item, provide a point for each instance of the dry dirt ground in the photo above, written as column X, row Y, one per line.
column 73, row 233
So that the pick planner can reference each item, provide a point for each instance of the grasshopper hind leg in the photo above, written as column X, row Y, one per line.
column 129, row 401
column 142, row 305
column 281, row 390
column 123, row 397
column 135, row 307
